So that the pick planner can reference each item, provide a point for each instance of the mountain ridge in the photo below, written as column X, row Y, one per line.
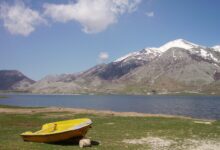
column 176, row 66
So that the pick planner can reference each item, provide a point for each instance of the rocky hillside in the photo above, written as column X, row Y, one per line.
column 14, row 80
column 175, row 67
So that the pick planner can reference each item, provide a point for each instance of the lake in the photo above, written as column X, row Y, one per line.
column 207, row 107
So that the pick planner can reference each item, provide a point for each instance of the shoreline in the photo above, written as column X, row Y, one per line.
column 27, row 110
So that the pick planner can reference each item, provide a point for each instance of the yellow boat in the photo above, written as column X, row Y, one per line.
column 59, row 131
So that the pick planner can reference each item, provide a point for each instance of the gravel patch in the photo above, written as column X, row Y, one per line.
column 201, row 144
column 156, row 143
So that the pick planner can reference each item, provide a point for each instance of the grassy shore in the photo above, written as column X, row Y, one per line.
column 112, row 131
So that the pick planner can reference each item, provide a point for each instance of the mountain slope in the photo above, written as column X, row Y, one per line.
column 176, row 66
column 14, row 80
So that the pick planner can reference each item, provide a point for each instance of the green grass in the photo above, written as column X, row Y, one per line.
column 108, row 131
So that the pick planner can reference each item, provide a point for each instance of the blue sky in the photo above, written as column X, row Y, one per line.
column 63, row 36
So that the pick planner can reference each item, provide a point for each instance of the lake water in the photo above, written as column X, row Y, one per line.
column 194, row 106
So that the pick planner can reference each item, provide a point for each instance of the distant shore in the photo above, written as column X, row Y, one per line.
column 3, row 93
column 3, row 96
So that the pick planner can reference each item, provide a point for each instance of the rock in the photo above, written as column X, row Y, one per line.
column 84, row 143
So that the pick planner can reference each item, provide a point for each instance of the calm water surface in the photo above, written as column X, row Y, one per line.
column 194, row 106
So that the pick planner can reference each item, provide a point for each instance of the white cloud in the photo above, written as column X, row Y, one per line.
column 19, row 19
column 94, row 15
column 103, row 56
column 150, row 14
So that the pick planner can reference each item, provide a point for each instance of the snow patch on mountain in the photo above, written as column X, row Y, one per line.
column 180, row 43
column 126, row 56
column 145, row 55
column 216, row 48
column 207, row 55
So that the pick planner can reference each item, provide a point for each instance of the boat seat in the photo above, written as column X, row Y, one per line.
column 48, row 128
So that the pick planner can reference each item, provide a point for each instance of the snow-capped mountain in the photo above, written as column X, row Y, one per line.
column 148, row 54
column 177, row 66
